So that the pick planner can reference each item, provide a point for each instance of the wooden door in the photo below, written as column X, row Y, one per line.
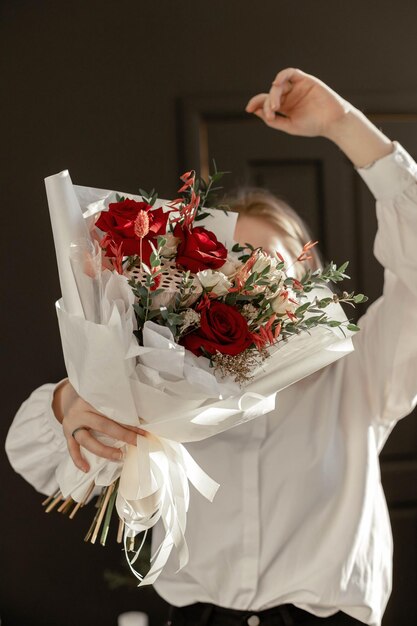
column 317, row 179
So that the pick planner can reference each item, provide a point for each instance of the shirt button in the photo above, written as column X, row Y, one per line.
column 253, row 620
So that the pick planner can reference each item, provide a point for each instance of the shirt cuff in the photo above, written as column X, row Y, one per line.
column 390, row 175
column 55, row 426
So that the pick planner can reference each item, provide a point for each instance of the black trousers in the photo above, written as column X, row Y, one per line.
column 202, row 614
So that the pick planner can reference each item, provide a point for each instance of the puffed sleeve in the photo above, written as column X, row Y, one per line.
column 35, row 443
column 384, row 363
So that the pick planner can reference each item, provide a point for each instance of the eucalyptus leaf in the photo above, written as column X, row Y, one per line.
column 302, row 308
column 353, row 327
column 342, row 268
column 324, row 302
column 360, row 297
column 201, row 216
column 154, row 260
column 251, row 279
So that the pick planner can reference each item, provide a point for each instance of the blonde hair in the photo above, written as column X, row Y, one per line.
column 257, row 202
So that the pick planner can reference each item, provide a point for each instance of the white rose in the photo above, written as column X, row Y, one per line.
column 273, row 275
column 284, row 302
column 231, row 265
column 262, row 261
column 277, row 277
column 213, row 281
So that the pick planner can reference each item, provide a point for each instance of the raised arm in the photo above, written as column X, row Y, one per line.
column 384, row 362
column 382, row 367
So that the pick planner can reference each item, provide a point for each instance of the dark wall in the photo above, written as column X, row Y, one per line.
column 94, row 87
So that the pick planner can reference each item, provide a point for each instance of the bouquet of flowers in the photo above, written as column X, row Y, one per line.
column 169, row 325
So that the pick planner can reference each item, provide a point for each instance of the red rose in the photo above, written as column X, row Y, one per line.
column 199, row 249
column 222, row 329
column 119, row 225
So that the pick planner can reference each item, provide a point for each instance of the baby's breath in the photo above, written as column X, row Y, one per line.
column 189, row 318
column 249, row 312
column 240, row 367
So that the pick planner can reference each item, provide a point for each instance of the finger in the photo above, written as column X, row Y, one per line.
column 111, row 428
column 275, row 95
column 90, row 443
column 289, row 73
column 280, row 122
column 75, row 453
column 136, row 429
column 277, row 92
column 268, row 112
column 256, row 102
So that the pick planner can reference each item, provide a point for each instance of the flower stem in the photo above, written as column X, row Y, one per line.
column 102, row 511
column 82, row 502
column 120, row 531
column 109, row 512
column 54, row 503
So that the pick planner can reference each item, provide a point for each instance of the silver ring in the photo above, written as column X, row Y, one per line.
column 77, row 429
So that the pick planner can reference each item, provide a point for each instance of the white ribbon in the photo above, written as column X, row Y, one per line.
column 154, row 485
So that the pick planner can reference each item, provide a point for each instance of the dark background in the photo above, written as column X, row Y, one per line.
column 121, row 94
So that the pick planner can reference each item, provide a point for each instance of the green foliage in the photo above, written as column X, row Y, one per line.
column 359, row 298
column 145, row 293
column 201, row 216
column 353, row 327
column 208, row 192
column 208, row 189
column 330, row 273
column 149, row 197
column 185, row 290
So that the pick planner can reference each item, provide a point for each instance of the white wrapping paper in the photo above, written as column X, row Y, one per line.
column 159, row 386
column 67, row 225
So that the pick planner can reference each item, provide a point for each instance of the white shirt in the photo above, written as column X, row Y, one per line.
column 300, row 516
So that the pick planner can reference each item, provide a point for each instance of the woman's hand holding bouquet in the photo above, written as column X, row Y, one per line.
column 78, row 417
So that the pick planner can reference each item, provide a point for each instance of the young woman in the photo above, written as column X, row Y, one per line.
column 299, row 531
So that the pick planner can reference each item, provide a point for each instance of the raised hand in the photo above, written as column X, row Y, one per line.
column 299, row 104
